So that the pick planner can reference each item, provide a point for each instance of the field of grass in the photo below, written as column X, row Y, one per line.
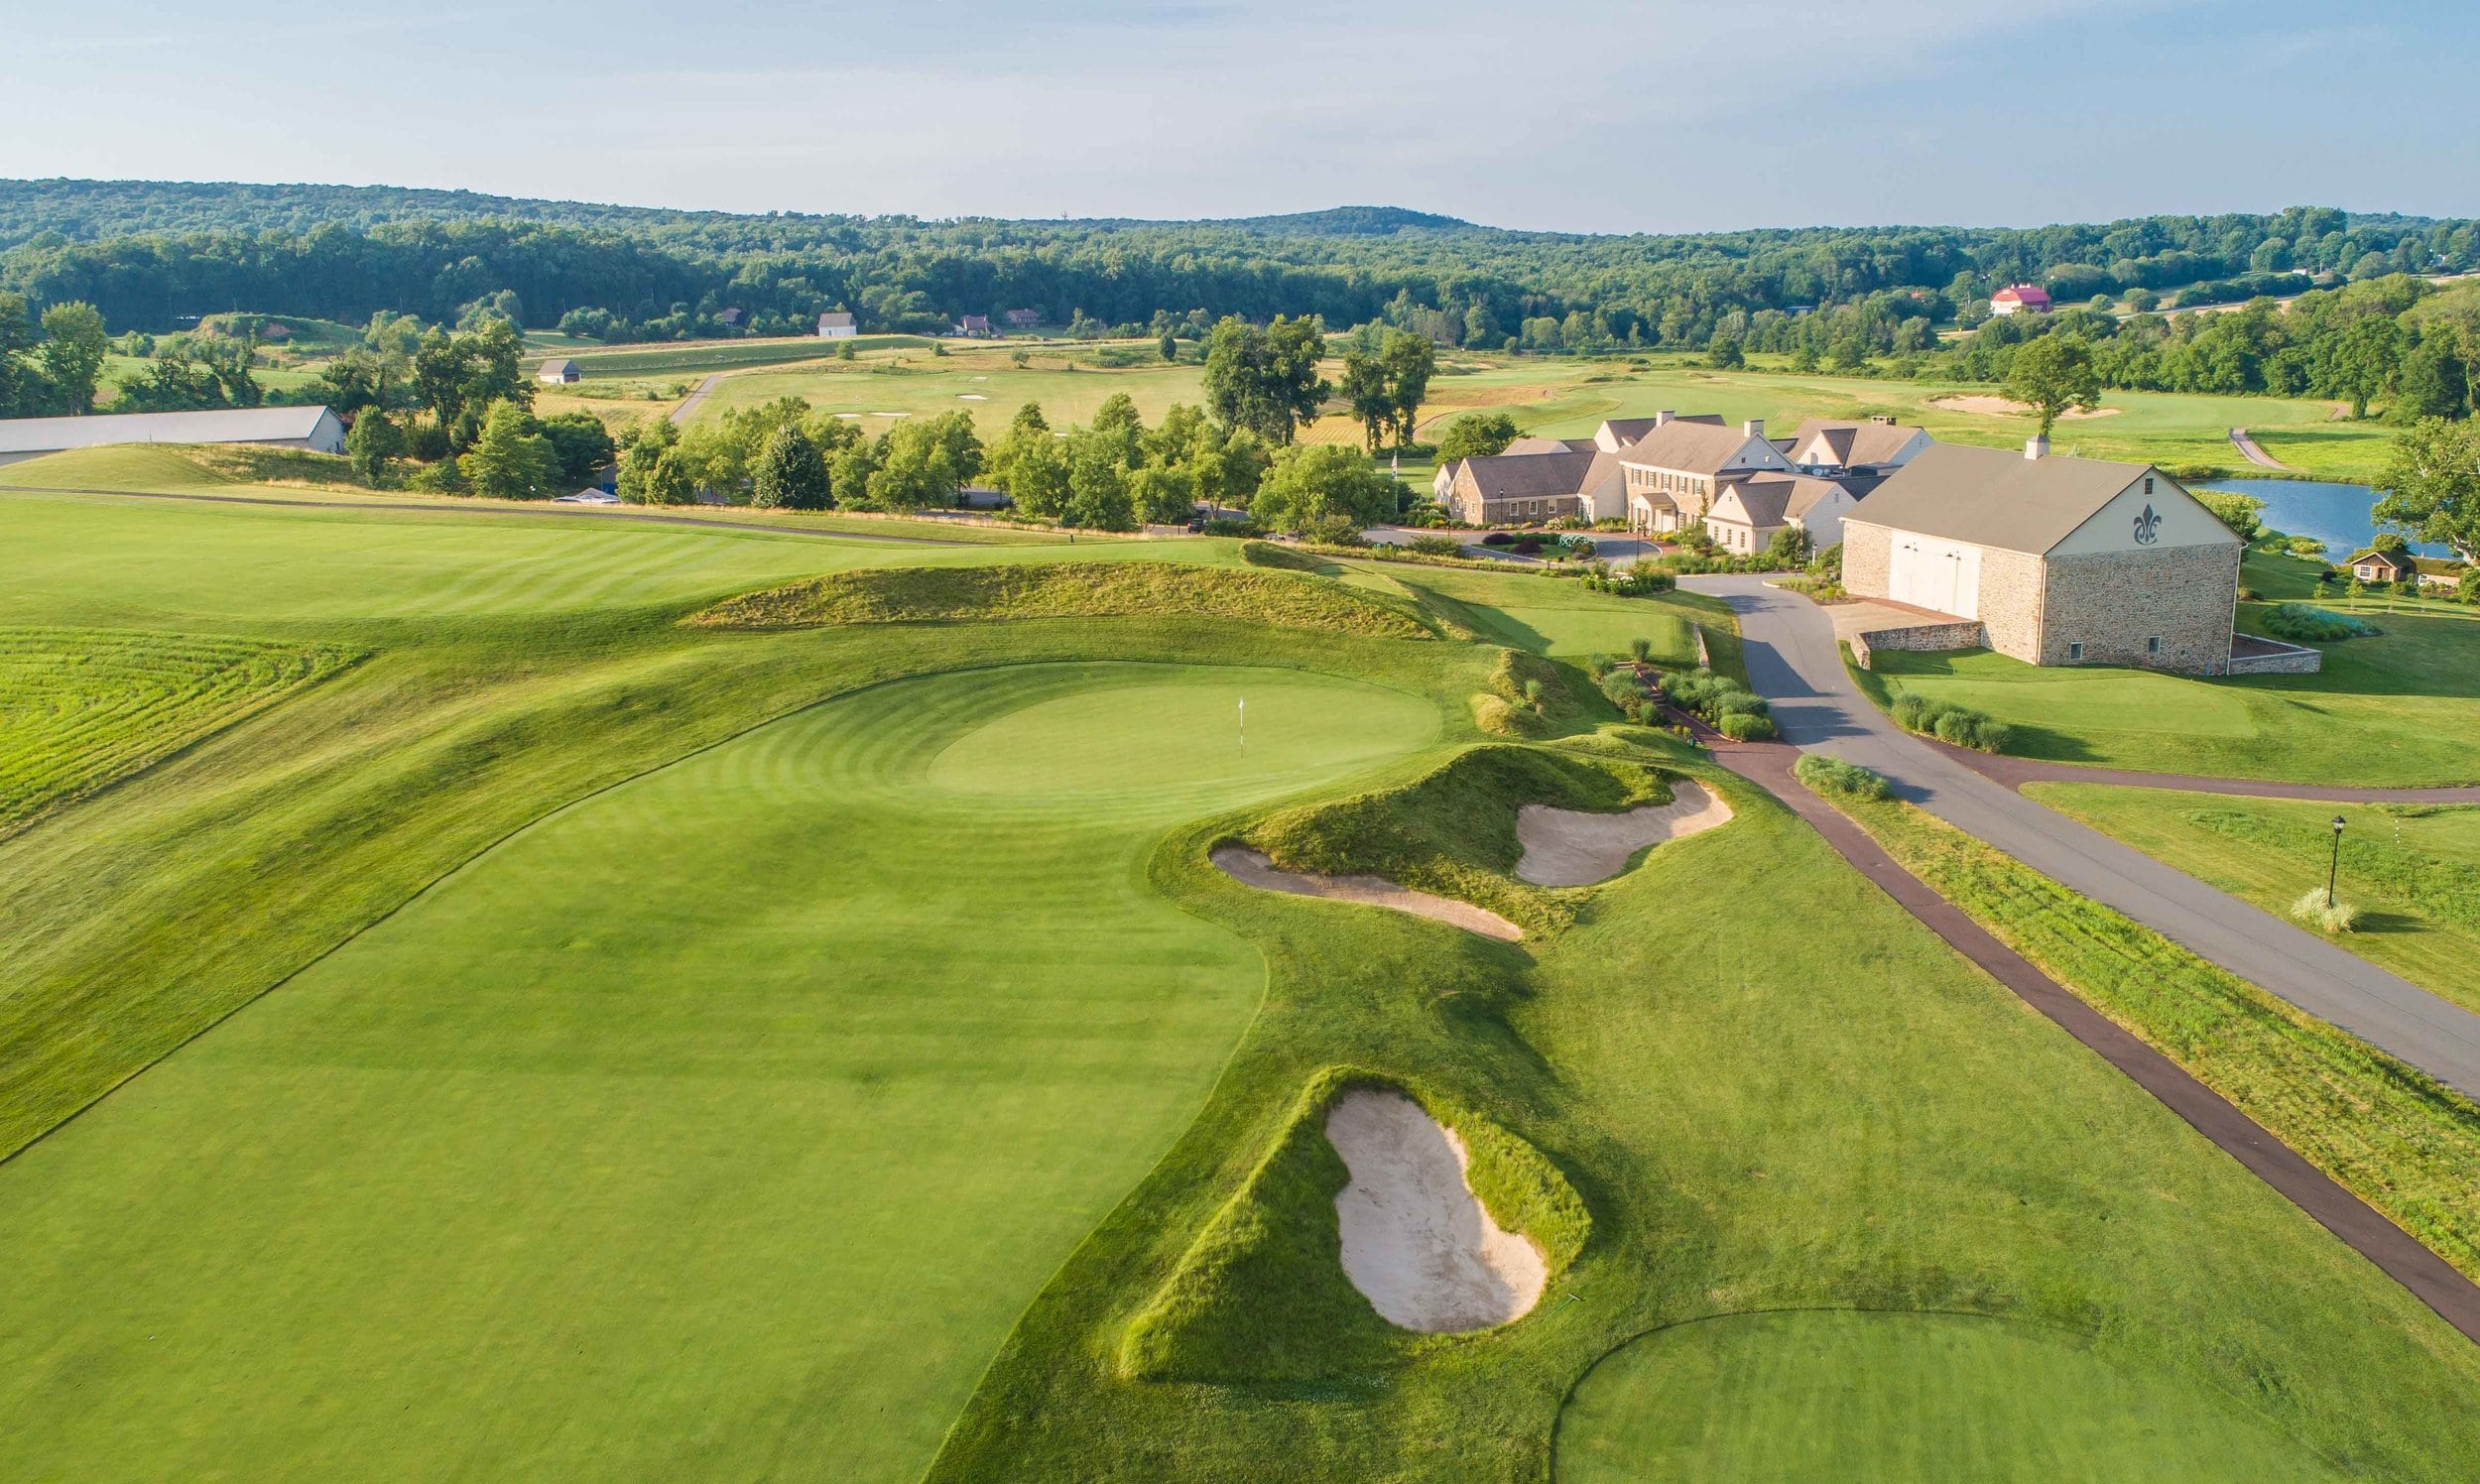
column 1865, row 1397
column 2414, row 870
column 80, row 707
column 699, row 357
column 2398, row 709
column 2405, row 1144
column 706, row 1054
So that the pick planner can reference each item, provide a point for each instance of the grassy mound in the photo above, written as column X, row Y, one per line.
column 1260, row 1296
column 1452, row 831
column 82, row 708
column 1529, row 696
column 1083, row 589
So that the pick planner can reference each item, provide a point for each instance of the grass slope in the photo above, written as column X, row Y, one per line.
column 2394, row 710
column 2400, row 1140
column 82, row 708
column 1080, row 589
column 726, row 1119
column 2414, row 870
column 1760, row 1112
column 1827, row 1396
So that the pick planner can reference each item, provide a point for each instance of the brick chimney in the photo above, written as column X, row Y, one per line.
column 1755, row 428
column 1663, row 418
column 2036, row 447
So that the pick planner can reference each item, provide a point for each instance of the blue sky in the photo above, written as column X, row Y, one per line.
column 1588, row 115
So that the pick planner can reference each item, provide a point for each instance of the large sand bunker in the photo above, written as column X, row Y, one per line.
column 1567, row 847
column 1251, row 868
column 1416, row 1240
column 2008, row 407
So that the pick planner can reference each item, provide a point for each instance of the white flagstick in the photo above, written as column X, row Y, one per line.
column 1244, row 721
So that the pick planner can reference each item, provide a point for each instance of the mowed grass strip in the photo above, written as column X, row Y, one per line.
column 1066, row 589
column 2396, row 710
column 717, row 1128
column 2401, row 1141
column 1825, row 1397
column 2413, row 870
column 82, row 708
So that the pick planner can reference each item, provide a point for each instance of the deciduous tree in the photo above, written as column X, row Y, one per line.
column 2432, row 485
column 2053, row 375
column 792, row 473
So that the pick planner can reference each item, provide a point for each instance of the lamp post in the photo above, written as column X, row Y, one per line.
column 2333, row 868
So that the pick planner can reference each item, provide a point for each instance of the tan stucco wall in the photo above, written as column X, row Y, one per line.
column 2113, row 602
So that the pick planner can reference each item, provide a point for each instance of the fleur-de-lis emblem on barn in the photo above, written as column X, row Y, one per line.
column 2147, row 527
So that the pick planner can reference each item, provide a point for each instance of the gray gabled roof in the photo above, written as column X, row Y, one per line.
column 1527, row 445
column 1687, row 444
column 246, row 425
column 1996, row 497
column 1870, row 443
column 1519, row 476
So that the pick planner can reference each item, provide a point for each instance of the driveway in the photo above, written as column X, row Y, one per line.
column 1794, row 662
column 688, row 404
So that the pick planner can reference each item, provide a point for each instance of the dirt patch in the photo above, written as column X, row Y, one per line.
column 1251, row 868
column 1416, row 1241
column 2000, row 406
column 1569, row 848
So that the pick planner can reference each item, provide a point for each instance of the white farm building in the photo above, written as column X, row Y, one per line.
column 314, row 428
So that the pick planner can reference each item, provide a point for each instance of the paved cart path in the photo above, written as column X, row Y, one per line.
column 2014, row 773
column 1794, row 662
column 2361, row 1227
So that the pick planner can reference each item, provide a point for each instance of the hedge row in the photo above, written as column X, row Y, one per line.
column 1947, row 722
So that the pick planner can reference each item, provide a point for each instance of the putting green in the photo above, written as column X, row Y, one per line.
column 718, row 1127
column 1878, row 1397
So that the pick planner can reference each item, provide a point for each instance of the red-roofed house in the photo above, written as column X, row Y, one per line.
column 2019, row 298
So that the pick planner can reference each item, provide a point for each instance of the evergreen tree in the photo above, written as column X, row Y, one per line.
column 792, row 473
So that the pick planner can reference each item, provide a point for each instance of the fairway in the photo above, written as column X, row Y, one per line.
column 1872, row 1398
column 726, row 1119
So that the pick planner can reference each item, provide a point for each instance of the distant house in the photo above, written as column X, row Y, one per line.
column 2019, row 298
column 1506, row 489
column 1674, row 472
column 837, row 325
column 2051, row 561
column 1023, row 319
column 973, row 324
column 1880, row 444
column 314, row 428
column 558, row 373
column 730, row 316
column 2401, row 567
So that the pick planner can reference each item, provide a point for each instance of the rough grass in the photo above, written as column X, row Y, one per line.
column 2405, row 1144
column 1510, row 709
column 82, row 707
column 1262, row 1295
column 1084, row 589
column 1452, row 828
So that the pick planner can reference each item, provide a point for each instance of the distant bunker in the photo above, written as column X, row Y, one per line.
column 1253, row 868
column 1569, row 848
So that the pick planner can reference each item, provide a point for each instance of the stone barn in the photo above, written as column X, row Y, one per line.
column 2060, row 561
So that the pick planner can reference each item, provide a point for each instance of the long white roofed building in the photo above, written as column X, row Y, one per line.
column 312, row 427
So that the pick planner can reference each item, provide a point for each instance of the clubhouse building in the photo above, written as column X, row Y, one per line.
column 2051, row 561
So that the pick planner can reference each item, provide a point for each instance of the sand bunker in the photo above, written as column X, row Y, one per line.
column 2003, row 407
column 971, row 397
column 1416, row 1241
column 1251, row 868
column 1567, row 847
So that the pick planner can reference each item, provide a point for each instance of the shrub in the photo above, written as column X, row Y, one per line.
column 1498, row 539
column 1640, row 649
column 2312, row 910
column 1436, row 545
column 1960, row 726
column 1621, row 687
column 2301, row 623
column 1834, row 775
column 1746, row 726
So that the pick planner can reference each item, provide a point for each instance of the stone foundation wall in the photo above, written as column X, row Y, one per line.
column 1867, row 551
column 1962, row 636
column 2113, row 602
column 2010, row 599
column 2291, row 660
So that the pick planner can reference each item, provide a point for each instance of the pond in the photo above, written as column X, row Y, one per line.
column 2335, row 514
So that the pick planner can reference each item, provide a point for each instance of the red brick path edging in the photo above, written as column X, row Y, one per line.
column 2430, row 1277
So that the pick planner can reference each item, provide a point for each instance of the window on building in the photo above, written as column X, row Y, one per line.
column 2074, row 651
column 2152, row 646
column 2147, row 484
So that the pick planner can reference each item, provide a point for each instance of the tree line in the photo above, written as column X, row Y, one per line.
column 150, row 255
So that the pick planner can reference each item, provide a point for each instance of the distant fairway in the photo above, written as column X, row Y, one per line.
column 716, row 1128
column 1870, row 1396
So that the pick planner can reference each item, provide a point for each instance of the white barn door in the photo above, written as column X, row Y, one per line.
column 1941, row 576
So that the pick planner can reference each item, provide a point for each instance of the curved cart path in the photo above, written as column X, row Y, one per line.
column 2240, row 439
column 1793, row 661
column 2361, row 1227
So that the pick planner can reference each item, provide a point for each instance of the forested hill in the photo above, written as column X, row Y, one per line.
column 153, row 254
